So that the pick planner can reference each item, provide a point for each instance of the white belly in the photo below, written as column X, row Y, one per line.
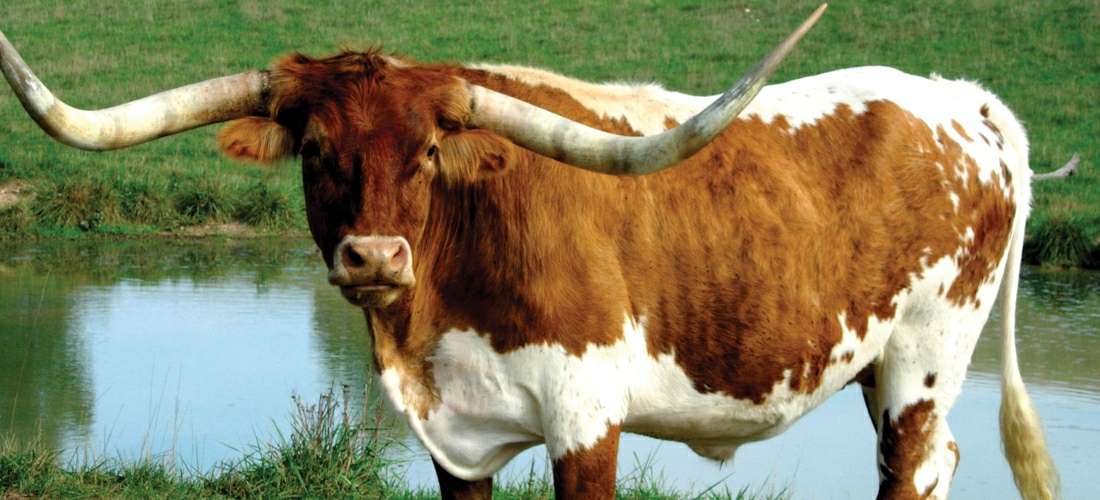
column 492, row 406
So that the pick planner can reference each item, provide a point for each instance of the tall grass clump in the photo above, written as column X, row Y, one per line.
column 1059, row 240
column 145, row 200
column 331, row 452
column 267, row 205
column 75, row 201
column 202, row 198
column 24, row 464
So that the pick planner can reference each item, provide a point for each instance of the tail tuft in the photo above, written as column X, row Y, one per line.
column 1025, row 445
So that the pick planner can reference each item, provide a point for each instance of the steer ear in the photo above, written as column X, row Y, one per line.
column 473, row 154
column 257, row 139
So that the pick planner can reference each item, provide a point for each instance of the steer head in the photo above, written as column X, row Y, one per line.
column 377, row 135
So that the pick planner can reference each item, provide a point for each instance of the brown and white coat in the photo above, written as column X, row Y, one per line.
column 853, row 226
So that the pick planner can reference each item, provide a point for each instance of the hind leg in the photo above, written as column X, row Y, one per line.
column 917, row 452
column 917, row 380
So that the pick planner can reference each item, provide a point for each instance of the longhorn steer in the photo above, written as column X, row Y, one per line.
column 849, row 227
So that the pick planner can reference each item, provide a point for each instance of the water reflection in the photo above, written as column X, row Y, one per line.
column 194, row 349
column 1058, row 337
column 135, row 349
column 43, row 368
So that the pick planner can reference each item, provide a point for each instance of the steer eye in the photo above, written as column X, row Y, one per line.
column 432, row 150
column 309, row 149
column 449, row 125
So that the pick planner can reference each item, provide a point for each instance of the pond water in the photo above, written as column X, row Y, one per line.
column 192, row 350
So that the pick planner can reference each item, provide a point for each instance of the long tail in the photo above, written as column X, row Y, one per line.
column 1025, row 445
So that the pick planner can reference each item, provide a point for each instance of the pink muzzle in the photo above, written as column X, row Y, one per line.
column 372, row 271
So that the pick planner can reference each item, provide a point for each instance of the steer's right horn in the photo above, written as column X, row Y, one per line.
column 576, row 144
column 139, row 121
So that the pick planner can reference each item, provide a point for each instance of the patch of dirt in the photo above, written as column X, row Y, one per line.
column 13, row 192
column 15, row 496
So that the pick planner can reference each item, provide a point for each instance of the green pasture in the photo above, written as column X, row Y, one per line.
column 1041, row 57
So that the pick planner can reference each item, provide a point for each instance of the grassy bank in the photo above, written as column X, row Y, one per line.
column 1041, row 58
column 332, row 451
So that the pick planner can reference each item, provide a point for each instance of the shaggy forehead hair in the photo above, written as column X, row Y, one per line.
column 341, row 85
column 355, row 92
column 350, row 91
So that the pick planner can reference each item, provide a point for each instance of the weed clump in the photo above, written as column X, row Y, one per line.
column 145, row 201
column 202, row 199
column 20, row 464
column 331, row 453
column 1059, row 240
column 264, row 205
column 83, row 202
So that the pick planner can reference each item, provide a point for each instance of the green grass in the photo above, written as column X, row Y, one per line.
column 332, row 452
column 1060, row 240
column 1042, row 58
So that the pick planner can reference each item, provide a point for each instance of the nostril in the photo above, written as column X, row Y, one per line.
column 397, row 261
column 354, row 259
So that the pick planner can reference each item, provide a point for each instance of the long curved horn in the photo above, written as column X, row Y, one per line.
column 139, row 121
column 581, row 146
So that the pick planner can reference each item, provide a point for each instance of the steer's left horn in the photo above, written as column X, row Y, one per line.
column 581, row 146
column 135, row 122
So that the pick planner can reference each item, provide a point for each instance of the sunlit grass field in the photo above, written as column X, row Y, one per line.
column 1042, row 58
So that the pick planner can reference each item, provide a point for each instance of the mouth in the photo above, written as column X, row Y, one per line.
column 371, row 295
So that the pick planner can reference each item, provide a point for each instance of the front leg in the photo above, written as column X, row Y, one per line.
column 453, row 488
column 588, row 473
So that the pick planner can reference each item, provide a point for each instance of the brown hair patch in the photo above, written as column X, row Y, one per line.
column 589, row 472
column 960, row 130
column 904, row 447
